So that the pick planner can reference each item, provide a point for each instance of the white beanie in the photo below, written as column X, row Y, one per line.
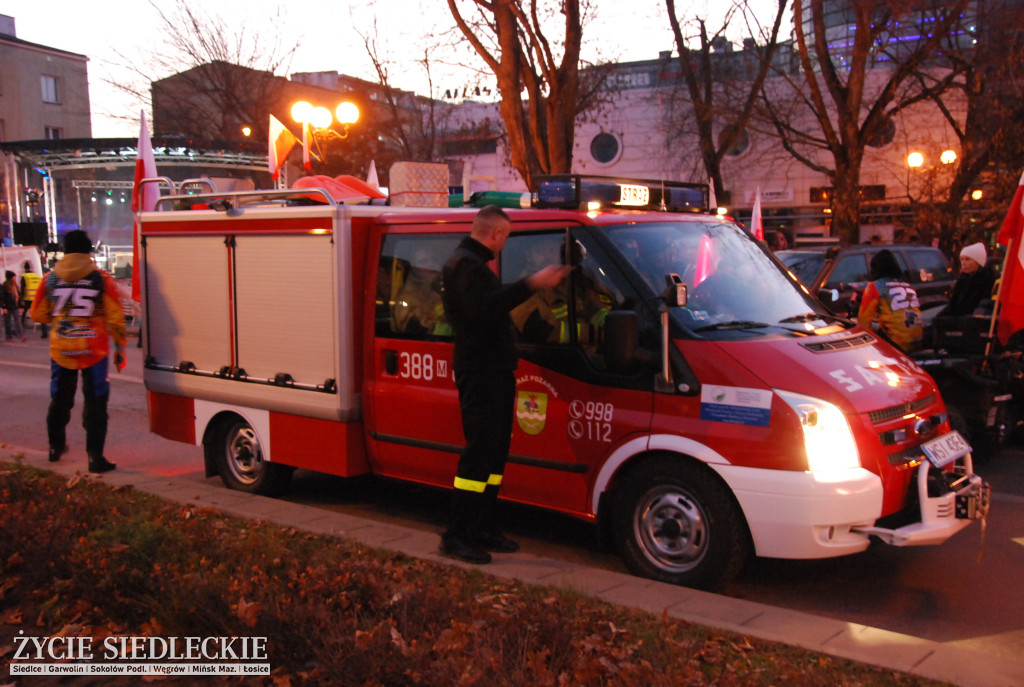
column 976, row 252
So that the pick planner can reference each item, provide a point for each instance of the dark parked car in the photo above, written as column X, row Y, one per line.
column 838, row 275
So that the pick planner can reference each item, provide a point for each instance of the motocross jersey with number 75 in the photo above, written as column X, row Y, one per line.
column 82, row 304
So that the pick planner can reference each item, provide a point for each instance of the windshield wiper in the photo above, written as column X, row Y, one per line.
column 808, row 317
column 734, row 324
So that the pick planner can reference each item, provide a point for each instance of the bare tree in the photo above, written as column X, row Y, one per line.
column 985, row 76
column 412, row 129
column 229, row 67
column 539, row 87
column 844, row 98
column 741, row 90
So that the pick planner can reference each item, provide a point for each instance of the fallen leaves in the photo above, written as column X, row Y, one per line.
column 335, row 612
column 248, row 612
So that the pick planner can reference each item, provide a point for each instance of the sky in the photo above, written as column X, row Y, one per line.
column 110, row 32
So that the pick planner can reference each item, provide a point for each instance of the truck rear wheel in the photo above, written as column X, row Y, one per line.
column 675, row 522
column 239, row 459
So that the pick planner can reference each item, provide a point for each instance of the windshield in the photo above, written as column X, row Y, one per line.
column 806, row 265
column 732, row 283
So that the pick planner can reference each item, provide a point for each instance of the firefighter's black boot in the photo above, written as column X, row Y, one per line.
column 99, row 464
column 488, row 534
column 459, row 541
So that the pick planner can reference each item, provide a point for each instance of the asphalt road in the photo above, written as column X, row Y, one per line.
column 969, row 591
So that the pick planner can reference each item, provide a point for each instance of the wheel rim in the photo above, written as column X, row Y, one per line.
column 672, row 529
column 244, row 455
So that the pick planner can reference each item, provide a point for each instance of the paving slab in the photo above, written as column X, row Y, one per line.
column 871, row 644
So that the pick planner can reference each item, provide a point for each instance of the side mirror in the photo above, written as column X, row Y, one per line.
column 675, row 292
column 828, row 295
column 622, row 338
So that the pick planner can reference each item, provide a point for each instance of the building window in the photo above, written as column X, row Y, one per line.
column 50, row 93
column 606, row 148
column 469, row 145
column 53, row 133
column 823, row 194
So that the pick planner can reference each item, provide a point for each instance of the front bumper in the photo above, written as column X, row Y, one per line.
column 822, row 515
column 949, row 501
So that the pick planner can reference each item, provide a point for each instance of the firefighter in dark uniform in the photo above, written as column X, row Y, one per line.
column 477, row 305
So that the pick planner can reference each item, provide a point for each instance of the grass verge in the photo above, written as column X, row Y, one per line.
column 81, row 559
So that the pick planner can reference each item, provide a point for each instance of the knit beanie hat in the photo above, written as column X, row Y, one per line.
column 976, row 252
column 77, row 241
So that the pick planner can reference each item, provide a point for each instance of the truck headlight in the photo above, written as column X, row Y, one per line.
column 827, row 437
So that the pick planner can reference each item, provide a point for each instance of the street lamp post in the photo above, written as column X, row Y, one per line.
column 928, row 184
column 319, row 121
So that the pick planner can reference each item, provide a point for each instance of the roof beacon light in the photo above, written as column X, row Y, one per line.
column 578, row 192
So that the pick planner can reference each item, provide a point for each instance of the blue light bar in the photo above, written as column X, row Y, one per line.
column 579, row 192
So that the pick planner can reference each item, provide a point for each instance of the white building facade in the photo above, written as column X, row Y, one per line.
column 646, row 130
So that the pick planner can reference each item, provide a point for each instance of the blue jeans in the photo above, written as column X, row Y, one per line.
column 95, row 390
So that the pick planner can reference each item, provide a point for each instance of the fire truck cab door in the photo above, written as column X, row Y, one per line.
column 570, row 412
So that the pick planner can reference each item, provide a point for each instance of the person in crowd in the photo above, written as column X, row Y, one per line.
column 477, row 306
column 29, row 282
column 780, row 241
column 81, row 302
column 974, row 284
column 890, row 305
column 11, row 300
column 418, row 308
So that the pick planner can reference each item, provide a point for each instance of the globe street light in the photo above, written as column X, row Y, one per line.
column 320, row 119
column 347, row 113
column 302, row 112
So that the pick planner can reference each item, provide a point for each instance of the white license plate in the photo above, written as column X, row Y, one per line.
column 945, row 449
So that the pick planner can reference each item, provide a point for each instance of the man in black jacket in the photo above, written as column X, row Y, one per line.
column 477, row 305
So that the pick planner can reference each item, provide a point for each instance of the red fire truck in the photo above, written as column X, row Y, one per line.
column 680, row 390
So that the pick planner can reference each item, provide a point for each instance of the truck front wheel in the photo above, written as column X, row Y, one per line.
column 674, row 521
column 239, row 459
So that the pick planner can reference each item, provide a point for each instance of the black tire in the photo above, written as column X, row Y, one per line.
column 239, row 459
column 675, row 521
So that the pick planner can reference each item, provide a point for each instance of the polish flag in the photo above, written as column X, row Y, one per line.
column 1011, row 291
column 707, row 259
column 280, row 144
column 756, row 225
column 143, row 198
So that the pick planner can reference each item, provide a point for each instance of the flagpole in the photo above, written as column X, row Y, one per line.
column 999, row 293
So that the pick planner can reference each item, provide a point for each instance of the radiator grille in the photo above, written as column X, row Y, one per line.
column 894, row 412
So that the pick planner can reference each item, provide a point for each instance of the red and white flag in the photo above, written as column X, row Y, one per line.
column 1011, row 292
column 756, row 225
column 143, row 197
column 280, row 144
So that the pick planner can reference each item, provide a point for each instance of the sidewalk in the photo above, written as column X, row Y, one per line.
column 871, row 645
